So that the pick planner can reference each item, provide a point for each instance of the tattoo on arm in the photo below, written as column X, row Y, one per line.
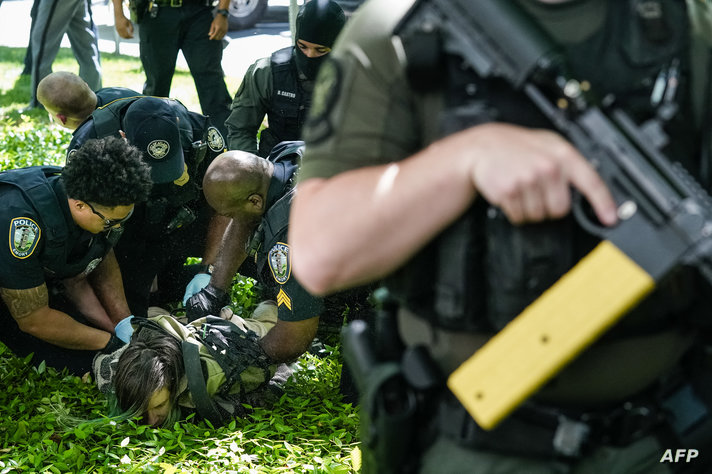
column 22, row 303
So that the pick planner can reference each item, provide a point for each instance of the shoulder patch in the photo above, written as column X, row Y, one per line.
column 158, row 149
column 326, row 91
column 215, row 140
column 24, row 236
column 280, row 262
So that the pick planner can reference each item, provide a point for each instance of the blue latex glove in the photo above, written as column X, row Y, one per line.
column 199, row 281
column 124, row 329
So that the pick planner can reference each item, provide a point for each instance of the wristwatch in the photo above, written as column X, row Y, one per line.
column 223, row 12
column 207, row 269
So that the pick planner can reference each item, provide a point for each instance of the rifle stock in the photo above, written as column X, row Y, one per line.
column 665, row 215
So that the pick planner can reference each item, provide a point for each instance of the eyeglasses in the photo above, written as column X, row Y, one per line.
column 109, row 223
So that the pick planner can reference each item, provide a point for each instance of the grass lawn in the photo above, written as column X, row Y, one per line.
column 310, row 430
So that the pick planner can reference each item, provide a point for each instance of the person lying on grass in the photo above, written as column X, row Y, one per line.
column 212, row 365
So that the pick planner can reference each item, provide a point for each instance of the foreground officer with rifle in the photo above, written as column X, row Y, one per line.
column 441, row 156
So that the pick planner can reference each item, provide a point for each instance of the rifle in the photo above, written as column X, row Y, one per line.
column 665, row 216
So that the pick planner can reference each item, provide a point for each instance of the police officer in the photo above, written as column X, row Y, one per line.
column 61, row 289
column 256, row 194
column 280, row 86
column 390, row 188
column 70, row 101
column 169, row 26
column 176, row 222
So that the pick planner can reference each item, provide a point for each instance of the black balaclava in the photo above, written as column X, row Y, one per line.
column 318, row 22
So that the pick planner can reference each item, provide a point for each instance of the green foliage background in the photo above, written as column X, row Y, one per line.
column 310, row 430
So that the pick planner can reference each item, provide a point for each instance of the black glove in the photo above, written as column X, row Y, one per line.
column 114, row 344
column 208, row 301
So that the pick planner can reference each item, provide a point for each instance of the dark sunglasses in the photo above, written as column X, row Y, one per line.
column 109, row 223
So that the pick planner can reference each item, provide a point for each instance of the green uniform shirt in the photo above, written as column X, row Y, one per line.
column 250, row 106
column 363, row 111
column 362, row 108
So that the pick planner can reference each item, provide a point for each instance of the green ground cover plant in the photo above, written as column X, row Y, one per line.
column 310, row 430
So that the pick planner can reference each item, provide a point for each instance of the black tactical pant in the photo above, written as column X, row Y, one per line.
column 185, row 29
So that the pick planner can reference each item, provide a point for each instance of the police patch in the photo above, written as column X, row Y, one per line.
column 24, row 236
column 158, row 149
column 279, row 262
column 324, row 97
column 215, row 140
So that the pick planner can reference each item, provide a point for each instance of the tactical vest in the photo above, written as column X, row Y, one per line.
column 289, row 104
column 276, row 220
column 485, row 270
column 33, row 183
column 170, row 207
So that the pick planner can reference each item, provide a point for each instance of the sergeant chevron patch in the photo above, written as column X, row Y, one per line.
column 284, row 299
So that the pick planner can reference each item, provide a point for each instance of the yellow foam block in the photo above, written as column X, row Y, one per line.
column 549, row 333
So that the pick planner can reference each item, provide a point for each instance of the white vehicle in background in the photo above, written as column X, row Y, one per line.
column 246, row 13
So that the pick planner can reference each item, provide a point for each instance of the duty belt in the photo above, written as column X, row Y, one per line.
column 539, row 431
column 169, row 3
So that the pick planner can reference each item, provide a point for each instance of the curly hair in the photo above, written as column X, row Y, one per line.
column 107, row 171
column 152, row 361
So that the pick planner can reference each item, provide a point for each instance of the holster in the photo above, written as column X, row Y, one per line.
column 388, row 421
column 394, row 393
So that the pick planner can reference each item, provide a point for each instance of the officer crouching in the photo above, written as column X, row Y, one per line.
column 62, row 296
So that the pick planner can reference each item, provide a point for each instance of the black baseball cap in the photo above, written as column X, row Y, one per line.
column 151, row 125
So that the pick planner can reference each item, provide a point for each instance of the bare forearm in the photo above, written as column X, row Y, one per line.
column 232, row 254
column 109, row 288
column 118, row 6
column 288, row 340
column 60, row 329
column 30, row 309
column 82, row 295
column 385, row 214
column 216, row 231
